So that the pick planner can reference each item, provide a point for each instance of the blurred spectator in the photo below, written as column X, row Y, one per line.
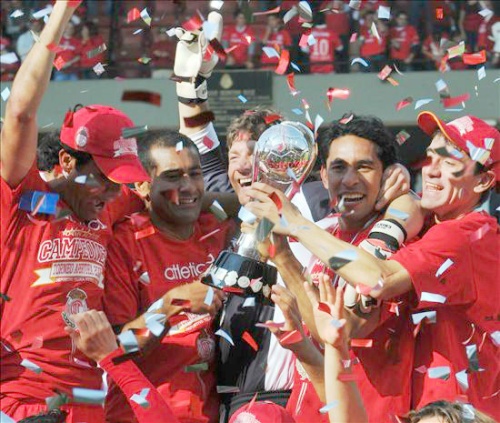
column 70, row 55
column 404, row 43
column 96, row 8
column 432, row 48
column 275, row 35
column 26, row 39
column 457, row 62
column 91, row 43
column 337, row 19
column 486, row 34
column 322, row 52
column 469, row 22
column 444, row 14
column 162, row 54
column 495, row 49
column 17, row 16
column 241, row 35
column 373, row 48
column 7, row 70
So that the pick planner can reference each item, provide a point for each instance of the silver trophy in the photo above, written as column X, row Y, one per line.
column 283, row 158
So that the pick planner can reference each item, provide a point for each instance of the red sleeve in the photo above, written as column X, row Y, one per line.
column 121, row 284
column 287, row 37
column 132, row 381
column 426, row 259
column 127, row 203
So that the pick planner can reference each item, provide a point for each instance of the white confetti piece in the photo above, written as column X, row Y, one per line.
column 99, row 69
column 5, row 94
column 290, row 15
column 462, row 379
column 374, row 31
column 270, row 52
column 225, row 335
column 209, row 297
column 249, row 302
column 418, row 317
column 422, row 102
column 17, row 13
column 361, row 61
column 298, row 112
column 326, row 408
column 384, row 12
column 89, row 396
column 398, row 213
column 246, row 215
column 137, row 31
column 318, row 120
column 31, row 366
column 128, row 341
column 432, row 298
column 440, row 372
column 42, row 12
column 441, row 85
column 444, row 267
column 216, row 4
column 242, row 98
column 157, row 305
column 495, row 336
column 145, row 16
column 485, row 13
column 154, row 322
column 141, row 398
column 481, row 73
column 4, row 418
column 9, row 58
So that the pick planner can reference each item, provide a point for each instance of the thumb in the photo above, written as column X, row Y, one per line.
column 311, row 294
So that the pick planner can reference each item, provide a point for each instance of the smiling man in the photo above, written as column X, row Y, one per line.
column 450, row 274
column 53, row 266
column 160, row 254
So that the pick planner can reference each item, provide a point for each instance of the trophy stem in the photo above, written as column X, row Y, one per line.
column 246, row 246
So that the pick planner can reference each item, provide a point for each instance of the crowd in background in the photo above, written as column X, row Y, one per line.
column 413, row 35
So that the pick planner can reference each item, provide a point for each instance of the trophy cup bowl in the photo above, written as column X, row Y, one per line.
column 283, row 158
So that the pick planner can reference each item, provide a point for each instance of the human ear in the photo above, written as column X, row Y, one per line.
column 486, row 181
column 66, row 161
column 324, row 176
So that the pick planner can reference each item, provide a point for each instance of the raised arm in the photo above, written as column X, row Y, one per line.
column 20, row 132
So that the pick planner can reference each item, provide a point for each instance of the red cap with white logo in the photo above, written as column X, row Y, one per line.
column 97, row 130
column 262, row 412
column 469, row 133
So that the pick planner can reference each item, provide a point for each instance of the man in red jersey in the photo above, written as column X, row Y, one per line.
column 242, row 36
column 275, row 36
column 450, row 275
column 404, row 42
column 68, row 58
column 53, row 268
column 373, row 38
column 322, row 52
column 160, row 254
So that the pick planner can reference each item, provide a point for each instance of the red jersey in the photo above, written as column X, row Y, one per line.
column 371, row 46
column 71, row 48
column 86, row 47
column 458, row 260
column 280, row 38
column 392, row 351
column 322, row 52
column 406, row 37
column 241, row 37
column 484, row 32
column 51, row 269
column 139, row 272
column 336, row 20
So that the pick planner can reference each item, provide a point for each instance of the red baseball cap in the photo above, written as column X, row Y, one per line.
column 469, row 133
column 262, row 412
column 97, row 130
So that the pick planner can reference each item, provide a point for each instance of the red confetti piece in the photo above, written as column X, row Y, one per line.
column 276, row 200
column 201, row 119
column 272, row 250
column 271, row 118
column 474, row 58
column 133, row 15
column 346, row 120
column 404, row 103
column 204, row 237
column 283, row 63
column 481, row 232
column 251, row 403
column 439, row 13
column 150, row 230
column 290, row 79
column 289, row 338
column 324, row 307
column 59, row 62
column 362, row 343
column 385, row 72
column 421, row 369
column 233, row 290
column 142, row 96
column 392, row 81
column 394, row 308
column 193, row 23
column 250, row 341
column 181, row 302
column 341, row 93
column 454, row 101
column 268, row 12
column 304, row 38
column 55, row 48
column 354, row 37
column 208, row 142
column 348, row 377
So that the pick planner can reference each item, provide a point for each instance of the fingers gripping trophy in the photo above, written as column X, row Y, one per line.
column 283, row 158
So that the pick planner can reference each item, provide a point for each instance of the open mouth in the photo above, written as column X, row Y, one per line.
column 187, row 201
column 245, row 182
column 433, row 187
column 350, row 198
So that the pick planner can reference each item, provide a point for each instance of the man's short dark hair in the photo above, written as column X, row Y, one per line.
column 49, row 145
column 161, row 138
column 53, row 416
column 367, row 127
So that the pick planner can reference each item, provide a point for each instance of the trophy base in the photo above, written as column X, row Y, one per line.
column 241, row 275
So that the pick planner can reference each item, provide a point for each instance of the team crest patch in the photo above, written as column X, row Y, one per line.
column 205, row 345
column 81, row 137
column 75, row 303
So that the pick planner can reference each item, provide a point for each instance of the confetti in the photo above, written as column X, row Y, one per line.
column 216, row 4
column 31, row 366
column 495, row 336
column 444, row 267
column 454, row 101
column 432, row 298
column 150, row 230
column 271, row 118
column 404, row 103
column 145, row 16
column 249, row 302
column 422, row 102
column 442, row 88
column 384, row 12
column 398, row 213
column 134, row 131
column 209, row 297
column 157, row 305
column 463, row 380
column 137, row 31
column 128, row 341
column 480, row 233
column 270, row 52
column 419, row 317
column 201, row 119
column 223, row 389
column 133, row 15
column 340, row 93
column 354, row 37
column 283, row 62
column 298, row 112
column 217, row 210
column 440, row 372
column 291, row 337
column 42, row 12
column 142, row 96
column 17, row 13
column 318, row 120
column 290, row 15
column 361, row 343
column 326, row 408
column 5, row 94
column 270, row 324
column 4, row 418
column 295, row 67
column 485, row 13
column 385, row 72
column 96, row 51
column 456, row 51
column 471, row 352
column 99, row 69
column 374, row 31
column 342, row 258
column 392, row 81
column 250, row 341
column 290, row 79
column 246, row 215
column 89, row 396
column 439, row 13
column 154, row 322
column 144, row 60
column 140, row 398
column 225, row 335
column 361, row 61
column 474, row 58
column 198, row 367
column 402, row 136
column 59, row 62
column 242, row 98
column 268, row 12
